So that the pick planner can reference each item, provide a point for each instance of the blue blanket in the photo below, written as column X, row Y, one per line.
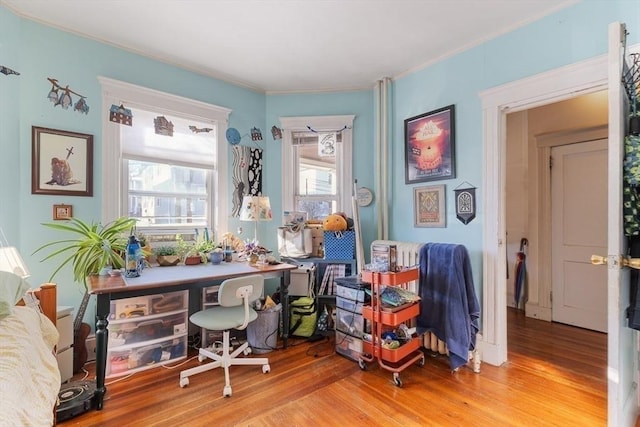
column 449, row 307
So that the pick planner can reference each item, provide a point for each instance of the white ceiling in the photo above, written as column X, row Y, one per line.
column 291, row 45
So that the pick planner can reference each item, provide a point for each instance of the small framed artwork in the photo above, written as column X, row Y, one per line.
column 61, row 162
column 429, row 206
column 62, row 212
column 429, row 142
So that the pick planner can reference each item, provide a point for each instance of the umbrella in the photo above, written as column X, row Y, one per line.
column 521, row 270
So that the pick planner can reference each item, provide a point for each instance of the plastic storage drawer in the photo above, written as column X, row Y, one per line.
column 353, row 288
column 347, row 304
column 348, row 346
column 350, row 323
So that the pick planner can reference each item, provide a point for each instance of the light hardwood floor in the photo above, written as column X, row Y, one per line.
column 556, row 376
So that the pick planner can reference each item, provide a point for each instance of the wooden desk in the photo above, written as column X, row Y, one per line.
column 158, row 280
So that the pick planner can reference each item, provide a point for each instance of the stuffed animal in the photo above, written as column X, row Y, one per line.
column 334, row 222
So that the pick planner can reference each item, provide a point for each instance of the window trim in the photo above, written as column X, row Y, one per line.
column 118, row 92
column 291, row 125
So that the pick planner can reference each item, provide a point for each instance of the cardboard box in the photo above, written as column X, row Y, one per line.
column 384, row 255
column 317, row 237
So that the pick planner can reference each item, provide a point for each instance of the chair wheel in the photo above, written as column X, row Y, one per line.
column 421, row 361
column 227, row 391
column 201, row 358
column 247, row 351
column 266, row 368
column 362, row 365
column 184, row 382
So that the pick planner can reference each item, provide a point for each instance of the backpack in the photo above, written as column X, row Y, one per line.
column 303, row 317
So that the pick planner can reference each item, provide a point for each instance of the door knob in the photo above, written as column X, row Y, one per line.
column 625, row 261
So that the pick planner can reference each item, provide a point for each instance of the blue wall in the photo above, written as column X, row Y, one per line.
column 573, row 34
column 38, row 52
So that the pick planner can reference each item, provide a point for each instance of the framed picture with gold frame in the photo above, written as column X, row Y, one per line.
column 429, row 206
column 62, row 212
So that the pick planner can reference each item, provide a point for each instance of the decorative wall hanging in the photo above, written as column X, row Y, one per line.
column 62, row 97
column 429, row 146
column 333, row 131
column 327, row 144
column 465, row 203
column 6, row 71
column 62, row 212
column 200, row 130
column 120, row 114
column 276, row 132
column 233, row 136
column 61, row 162
column 246, row 175
column 429, row 206
column 256, row 134
column 163, row 126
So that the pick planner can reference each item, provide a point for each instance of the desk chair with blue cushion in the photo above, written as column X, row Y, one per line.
column 234, row 312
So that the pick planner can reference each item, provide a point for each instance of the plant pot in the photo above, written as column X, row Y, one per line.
column 167, row 260
column 192, row 260
column 216, row 257
column 253, row 259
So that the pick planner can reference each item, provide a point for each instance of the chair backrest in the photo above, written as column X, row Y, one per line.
column 232, row 290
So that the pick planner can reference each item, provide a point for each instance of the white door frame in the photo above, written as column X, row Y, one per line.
column 557, row 85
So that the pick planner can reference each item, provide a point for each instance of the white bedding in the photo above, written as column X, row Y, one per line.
column 29, row 375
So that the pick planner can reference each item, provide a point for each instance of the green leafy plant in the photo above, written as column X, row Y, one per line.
column 93, row 247
column 165, row 250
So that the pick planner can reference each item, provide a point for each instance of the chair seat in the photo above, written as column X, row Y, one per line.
column 222, row 318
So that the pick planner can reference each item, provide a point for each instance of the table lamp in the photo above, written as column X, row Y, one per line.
column 12, row 262
column 255, row 208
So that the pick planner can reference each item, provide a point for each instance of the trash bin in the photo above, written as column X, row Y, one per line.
column 262, row 333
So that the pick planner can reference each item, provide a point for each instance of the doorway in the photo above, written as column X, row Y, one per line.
column 532, row 137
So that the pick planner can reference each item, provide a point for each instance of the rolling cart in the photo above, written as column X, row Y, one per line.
column 383, row 320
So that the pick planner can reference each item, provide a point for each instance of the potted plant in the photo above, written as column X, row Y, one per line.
column 91, row 248
column 166, row 255
column 195, row 252
column 94, row 247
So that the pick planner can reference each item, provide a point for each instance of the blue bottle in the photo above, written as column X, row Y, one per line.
column 133, row 257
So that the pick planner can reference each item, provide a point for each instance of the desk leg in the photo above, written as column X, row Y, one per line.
column 102, row 336
column 284, row 299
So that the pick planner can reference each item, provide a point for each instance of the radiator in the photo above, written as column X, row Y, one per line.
column 407, row 256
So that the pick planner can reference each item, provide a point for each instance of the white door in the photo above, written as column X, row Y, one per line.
column 579, row 229
column 621, row 341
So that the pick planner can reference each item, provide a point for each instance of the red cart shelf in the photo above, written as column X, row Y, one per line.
column 398, row 359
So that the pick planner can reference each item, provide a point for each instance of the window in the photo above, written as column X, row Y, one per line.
column 165, row 165
column 317, row 164
column 168, row 178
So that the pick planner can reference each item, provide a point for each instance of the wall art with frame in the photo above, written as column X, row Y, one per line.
column 61, row 162
column 429, row 143
column 429, row 206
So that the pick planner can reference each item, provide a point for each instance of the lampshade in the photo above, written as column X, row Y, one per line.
column 12, row 262
column 255, row 208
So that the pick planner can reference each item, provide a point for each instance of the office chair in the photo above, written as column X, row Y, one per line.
column 234, row 312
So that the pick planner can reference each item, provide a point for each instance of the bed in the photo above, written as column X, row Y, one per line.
column 29, row 375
